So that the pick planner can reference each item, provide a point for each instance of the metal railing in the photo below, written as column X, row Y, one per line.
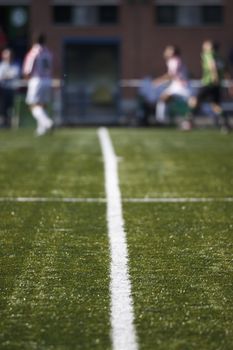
column 195, row 83
column 57, row 85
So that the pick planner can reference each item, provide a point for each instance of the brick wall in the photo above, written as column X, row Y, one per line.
column 142, row 41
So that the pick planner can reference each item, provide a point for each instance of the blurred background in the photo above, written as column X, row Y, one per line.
column 103, row 47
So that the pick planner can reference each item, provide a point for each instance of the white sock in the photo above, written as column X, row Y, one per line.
column 42, row 118
column 161, row 111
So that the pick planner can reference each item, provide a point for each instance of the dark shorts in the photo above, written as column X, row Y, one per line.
column 210, row 93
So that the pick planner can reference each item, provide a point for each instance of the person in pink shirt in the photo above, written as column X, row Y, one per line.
column 177, row 79
column 37, row 68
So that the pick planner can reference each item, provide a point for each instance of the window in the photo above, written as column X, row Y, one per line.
column 107, row 14
column 166, row 15
column 212, row 14
column 62, row 14
column 189, row 15
column 85, row 15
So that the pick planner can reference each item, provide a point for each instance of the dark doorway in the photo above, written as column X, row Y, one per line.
column 91, row 74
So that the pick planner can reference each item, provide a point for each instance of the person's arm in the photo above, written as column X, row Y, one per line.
column 162, row 79
column 28, row 63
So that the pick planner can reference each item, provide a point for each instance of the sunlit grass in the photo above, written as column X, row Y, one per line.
column 54, row 259
column 54, row 266
column 181, row 270
column 171, row 163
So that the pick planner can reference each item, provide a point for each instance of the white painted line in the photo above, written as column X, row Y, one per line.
column 125, row 200
column 122, row 314
column 178, row 200
column 51, row 199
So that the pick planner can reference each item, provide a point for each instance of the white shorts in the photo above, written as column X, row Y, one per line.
column 39, row 91
column 176, row 88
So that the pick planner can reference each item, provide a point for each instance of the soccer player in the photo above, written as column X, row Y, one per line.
column 147, row 99
column 37, row 68
column 177, row 77
column 212, row 75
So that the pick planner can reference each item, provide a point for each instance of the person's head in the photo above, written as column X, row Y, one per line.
column 171, row 51
column 7, row 55
column 39, row 39
column 207, row 46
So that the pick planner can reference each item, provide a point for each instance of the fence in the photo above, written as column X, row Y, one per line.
column 21, row 115
column 129, row 108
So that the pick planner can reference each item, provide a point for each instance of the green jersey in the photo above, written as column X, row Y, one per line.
column 207, row 59
column 207, row 75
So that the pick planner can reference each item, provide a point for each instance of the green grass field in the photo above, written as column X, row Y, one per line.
column 55, row 258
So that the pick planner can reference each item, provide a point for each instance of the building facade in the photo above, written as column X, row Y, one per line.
column 97, row 43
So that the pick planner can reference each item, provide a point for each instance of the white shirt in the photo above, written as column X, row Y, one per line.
column 9, row 73
column 38, row 62
column 176, row 69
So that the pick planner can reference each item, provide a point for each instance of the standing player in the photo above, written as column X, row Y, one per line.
column 37, row 68
column 212, row 75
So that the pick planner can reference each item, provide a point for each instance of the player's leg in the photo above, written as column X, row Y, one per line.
column 6, row 106
column 221, row 118
column 161, row 111
column 161, row 106
column 44, row 123
column 38, row 96
column 195, row 101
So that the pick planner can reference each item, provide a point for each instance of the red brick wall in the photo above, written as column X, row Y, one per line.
column 142, row 41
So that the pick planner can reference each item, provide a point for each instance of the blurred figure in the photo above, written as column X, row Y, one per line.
column 149, row 94
column 177, row 77
column 212, row 76
column 9, row 73
column 147, row 98
column 37, row 68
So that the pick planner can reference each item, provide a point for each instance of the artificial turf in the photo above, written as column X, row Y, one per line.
column 180, row 254
column 54, row 277
column 182, row 275
column 55, row 261
column 171, row 163
column 66, row 164
column 54, row 258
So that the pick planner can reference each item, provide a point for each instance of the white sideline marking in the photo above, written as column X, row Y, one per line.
column 126, row 200
column 178, row 200
column 122, row 315
column 51, row 199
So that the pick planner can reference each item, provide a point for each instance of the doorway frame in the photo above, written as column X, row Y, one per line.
column 94, row 41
